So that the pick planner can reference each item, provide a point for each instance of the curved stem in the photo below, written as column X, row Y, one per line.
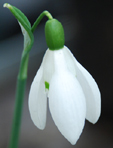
column 20, row 91
column 22, row 75
column 21, row 83
column 44, row 13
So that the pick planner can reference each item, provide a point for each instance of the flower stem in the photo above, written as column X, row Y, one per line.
column 20, row 91
column 22, row 75
column 44, row 13
column 21, row 83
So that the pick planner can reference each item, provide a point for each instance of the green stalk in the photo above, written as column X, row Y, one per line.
column 22, row 75
column 44, row 13
column 20, row 92
column 17, row 113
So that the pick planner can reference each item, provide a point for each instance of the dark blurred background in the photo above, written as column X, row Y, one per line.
column 88, row 29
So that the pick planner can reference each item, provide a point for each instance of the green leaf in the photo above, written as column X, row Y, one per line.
column 18, row 15
column 25, row 26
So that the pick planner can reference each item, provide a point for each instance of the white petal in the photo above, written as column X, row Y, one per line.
column 66, row 101
column 92, row 93
column 38, row 100
column 70, row 61
column 90, row 88
column 48, row 65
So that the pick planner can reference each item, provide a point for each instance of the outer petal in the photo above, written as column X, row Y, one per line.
column 90, row 88
column 92, row 93
column 66, row 101
column 38, row 100
column 48, row 65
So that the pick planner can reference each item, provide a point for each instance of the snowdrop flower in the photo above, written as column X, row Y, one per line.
column 72, row 92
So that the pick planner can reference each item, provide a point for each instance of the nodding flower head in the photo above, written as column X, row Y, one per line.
column 72, row 92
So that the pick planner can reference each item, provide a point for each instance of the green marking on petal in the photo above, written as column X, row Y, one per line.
column 46, row 85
